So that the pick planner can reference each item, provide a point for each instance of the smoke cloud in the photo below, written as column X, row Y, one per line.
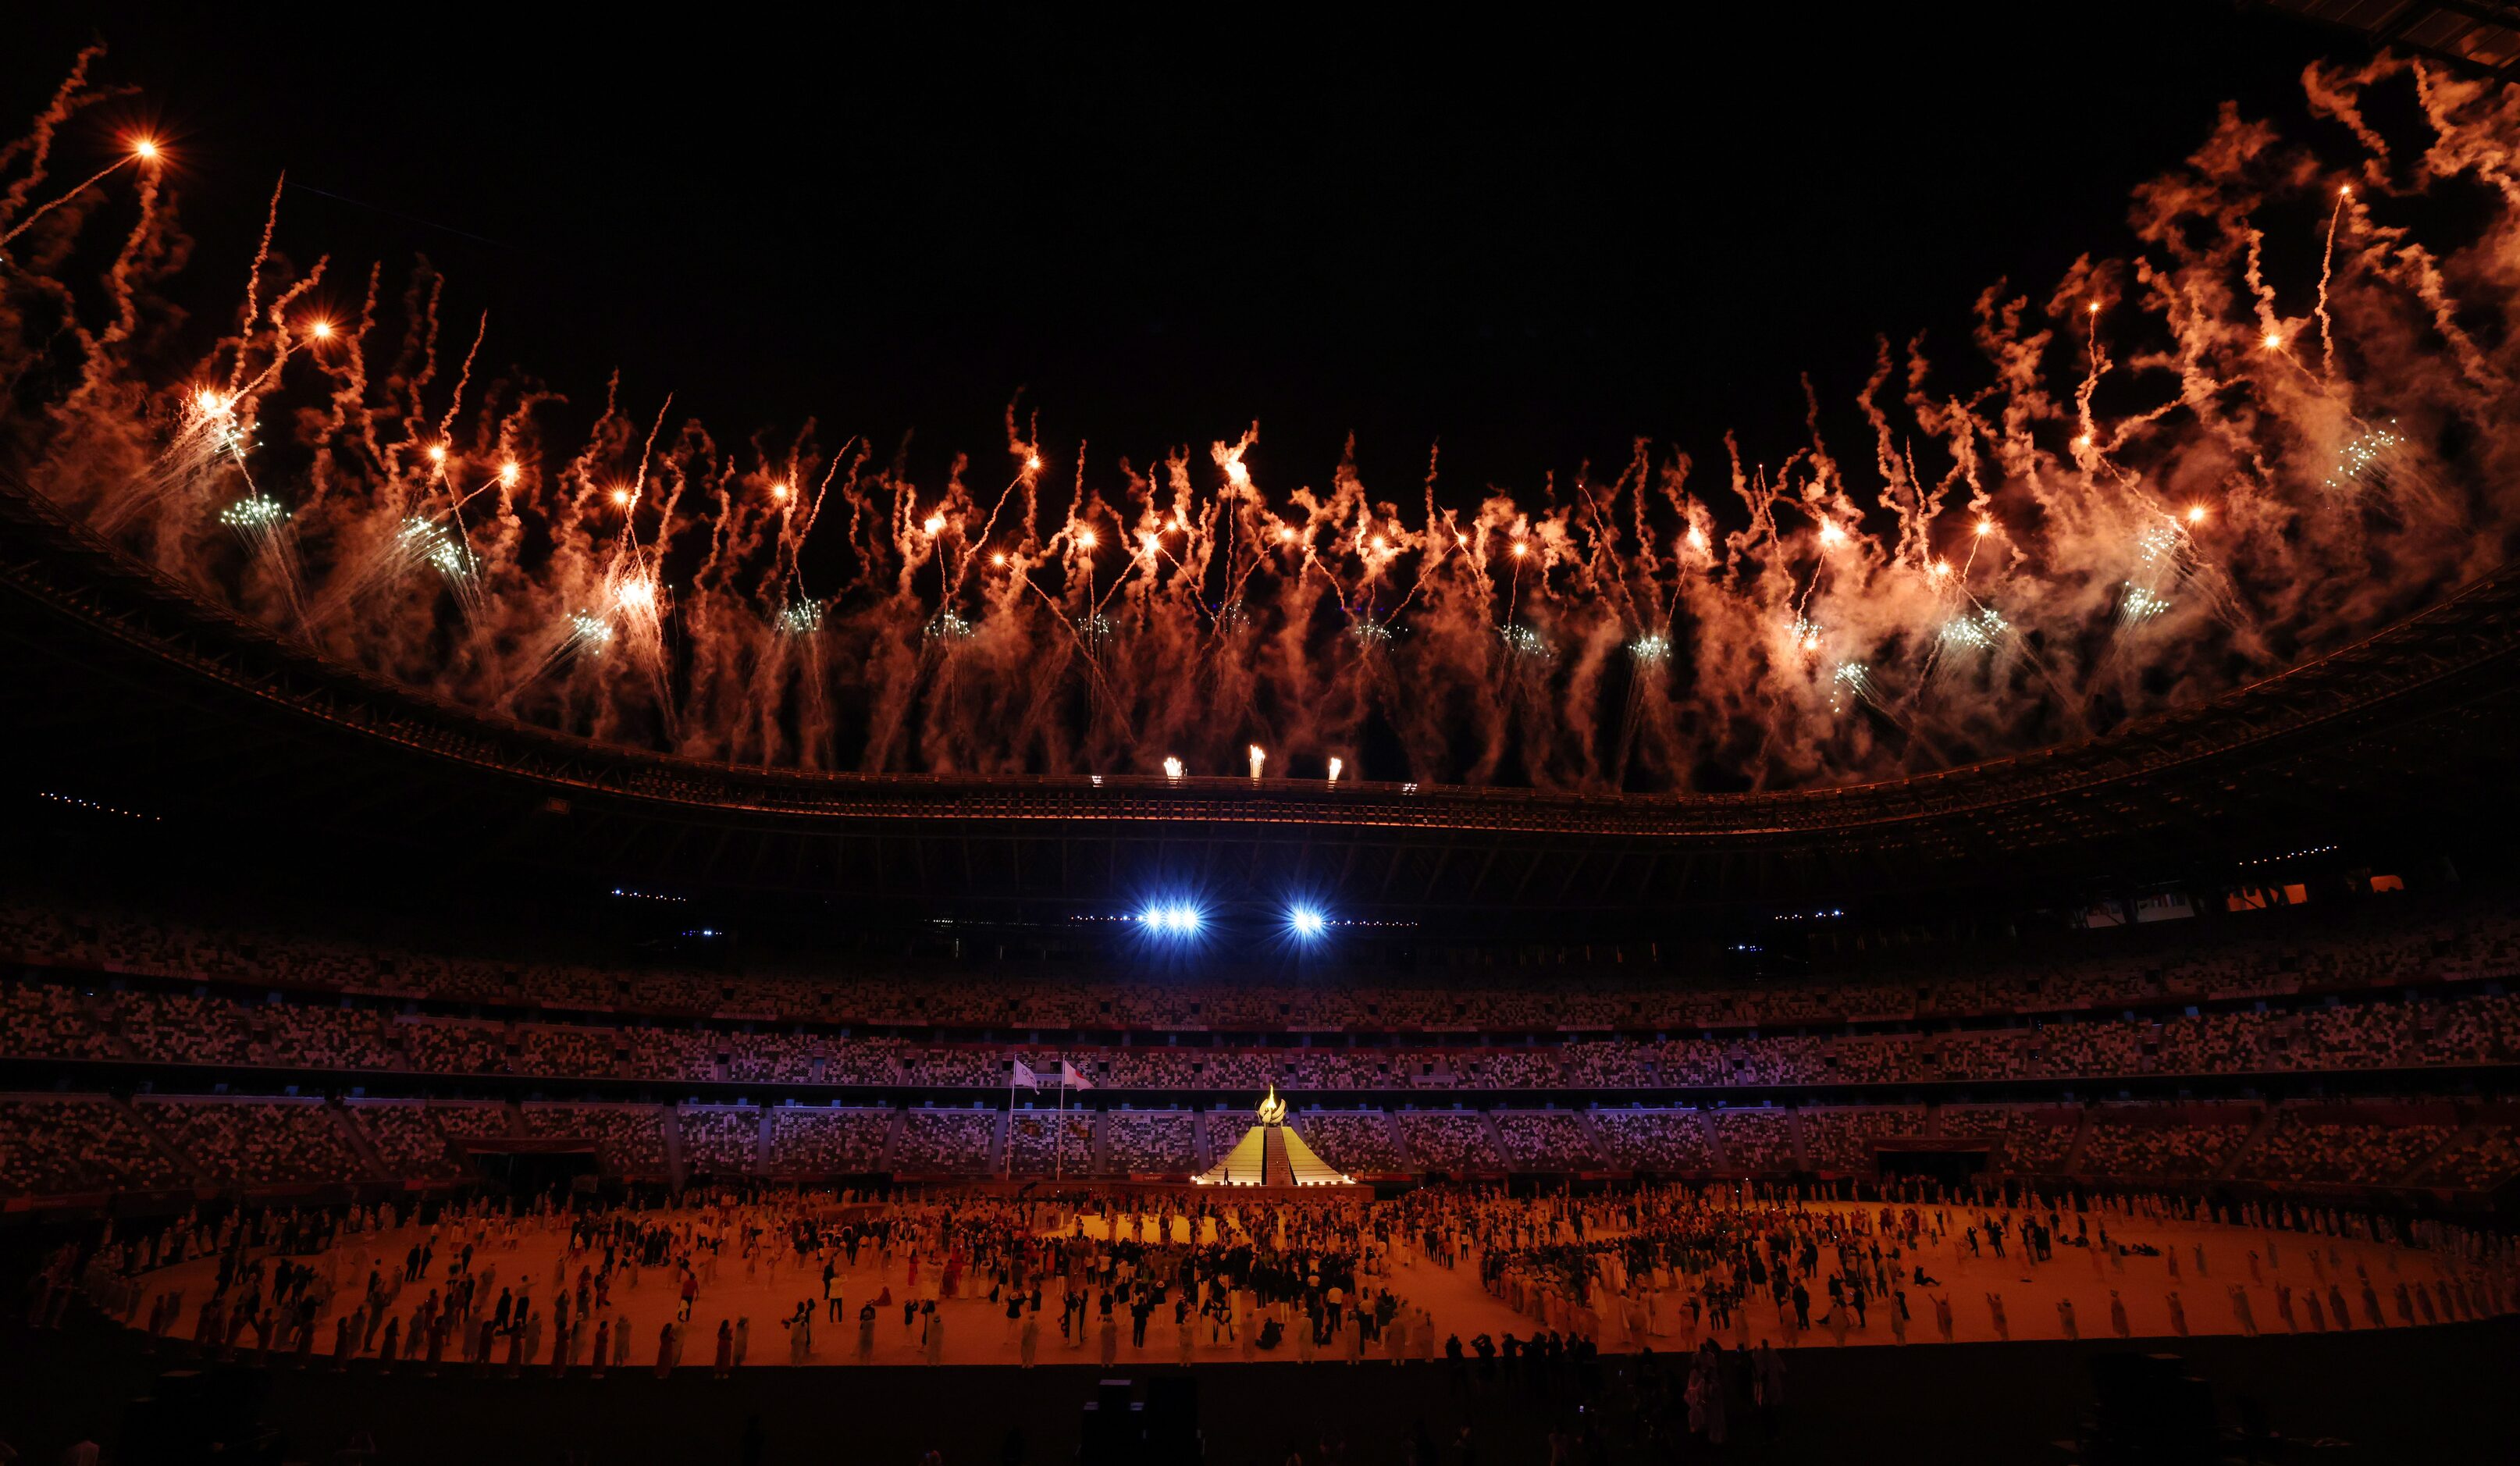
column 2162, row 476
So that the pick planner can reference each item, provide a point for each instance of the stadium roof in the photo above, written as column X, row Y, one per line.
column 2478, row 36
column 126, row 689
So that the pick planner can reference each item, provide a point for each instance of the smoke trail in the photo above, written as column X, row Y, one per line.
column 35, row 148
column 2123, row 493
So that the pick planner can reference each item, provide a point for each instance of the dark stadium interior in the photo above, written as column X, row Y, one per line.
column 318, row 972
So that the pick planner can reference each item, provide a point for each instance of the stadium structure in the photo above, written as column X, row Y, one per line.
column 413, row 944
column 361, row 1044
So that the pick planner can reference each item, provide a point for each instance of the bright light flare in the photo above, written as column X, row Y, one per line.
column 621, row 498
column 935, row 525
column 437, row 453
column 1172, row 768
column 1831, row 533
column 1985, row 527
column 779, row 491
column 1032, row 463
column 637, row 595
column 1178, row 920
column 1259, row 756
column 1087, row 539
column 1305, row 922
column 508, row 472
column 145, row 149
column 1939, row 569
column 1238, row 475
column 321, row 331
column 1520, row 550
column 2273, row 340
column 1336, row 765
column 998, row 559
column 2195, row 514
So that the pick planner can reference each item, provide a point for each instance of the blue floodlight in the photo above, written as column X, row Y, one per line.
column 1305, row 922
column 1175, row 920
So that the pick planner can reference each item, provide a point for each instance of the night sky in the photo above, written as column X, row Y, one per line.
column 1528, row 248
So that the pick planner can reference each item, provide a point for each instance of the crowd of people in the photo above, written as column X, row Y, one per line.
column 1700, row 1266
column 2310, row 1147
column 461, row 1284
column 1663, row 1143
column 54, row 1145
column 1151, row 1142
column 42, row 1017
column 1728, row 1280
column 1566, row 1061
column 779, row 1022
column 2170, row 1142
column 255, row 1143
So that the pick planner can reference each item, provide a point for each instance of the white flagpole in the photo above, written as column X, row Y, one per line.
column 1059, row 1142
column 1011, row 1120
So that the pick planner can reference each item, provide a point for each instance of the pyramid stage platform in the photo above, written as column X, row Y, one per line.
column 1269, row 1159
column 1077, row 1187
column 1272, row 1157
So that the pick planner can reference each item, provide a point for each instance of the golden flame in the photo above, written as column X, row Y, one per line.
column 1273, row 1110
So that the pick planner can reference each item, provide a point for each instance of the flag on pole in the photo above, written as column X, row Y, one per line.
column 1068, row 1077
column 1025, row 1077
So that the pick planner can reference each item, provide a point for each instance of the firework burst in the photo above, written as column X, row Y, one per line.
column 2277, row 476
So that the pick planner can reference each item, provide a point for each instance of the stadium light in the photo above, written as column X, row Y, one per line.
column 1305, row 922
column 1178, row 920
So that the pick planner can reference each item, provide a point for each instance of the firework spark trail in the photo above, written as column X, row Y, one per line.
column 2327, row 274
column 119, row 281
column 462, row 378
column 100, row 176
column 651, row 588
column 36, row 147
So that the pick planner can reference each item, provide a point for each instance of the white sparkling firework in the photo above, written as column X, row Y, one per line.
column 2158, row 566
column 2141, row 603
column 1522, row 640
column 2367, row 460
column 590, row 631
column 2157, row 550
column 1981, row 628
column 194, row 449
column 433, row 543
column 254, row 513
